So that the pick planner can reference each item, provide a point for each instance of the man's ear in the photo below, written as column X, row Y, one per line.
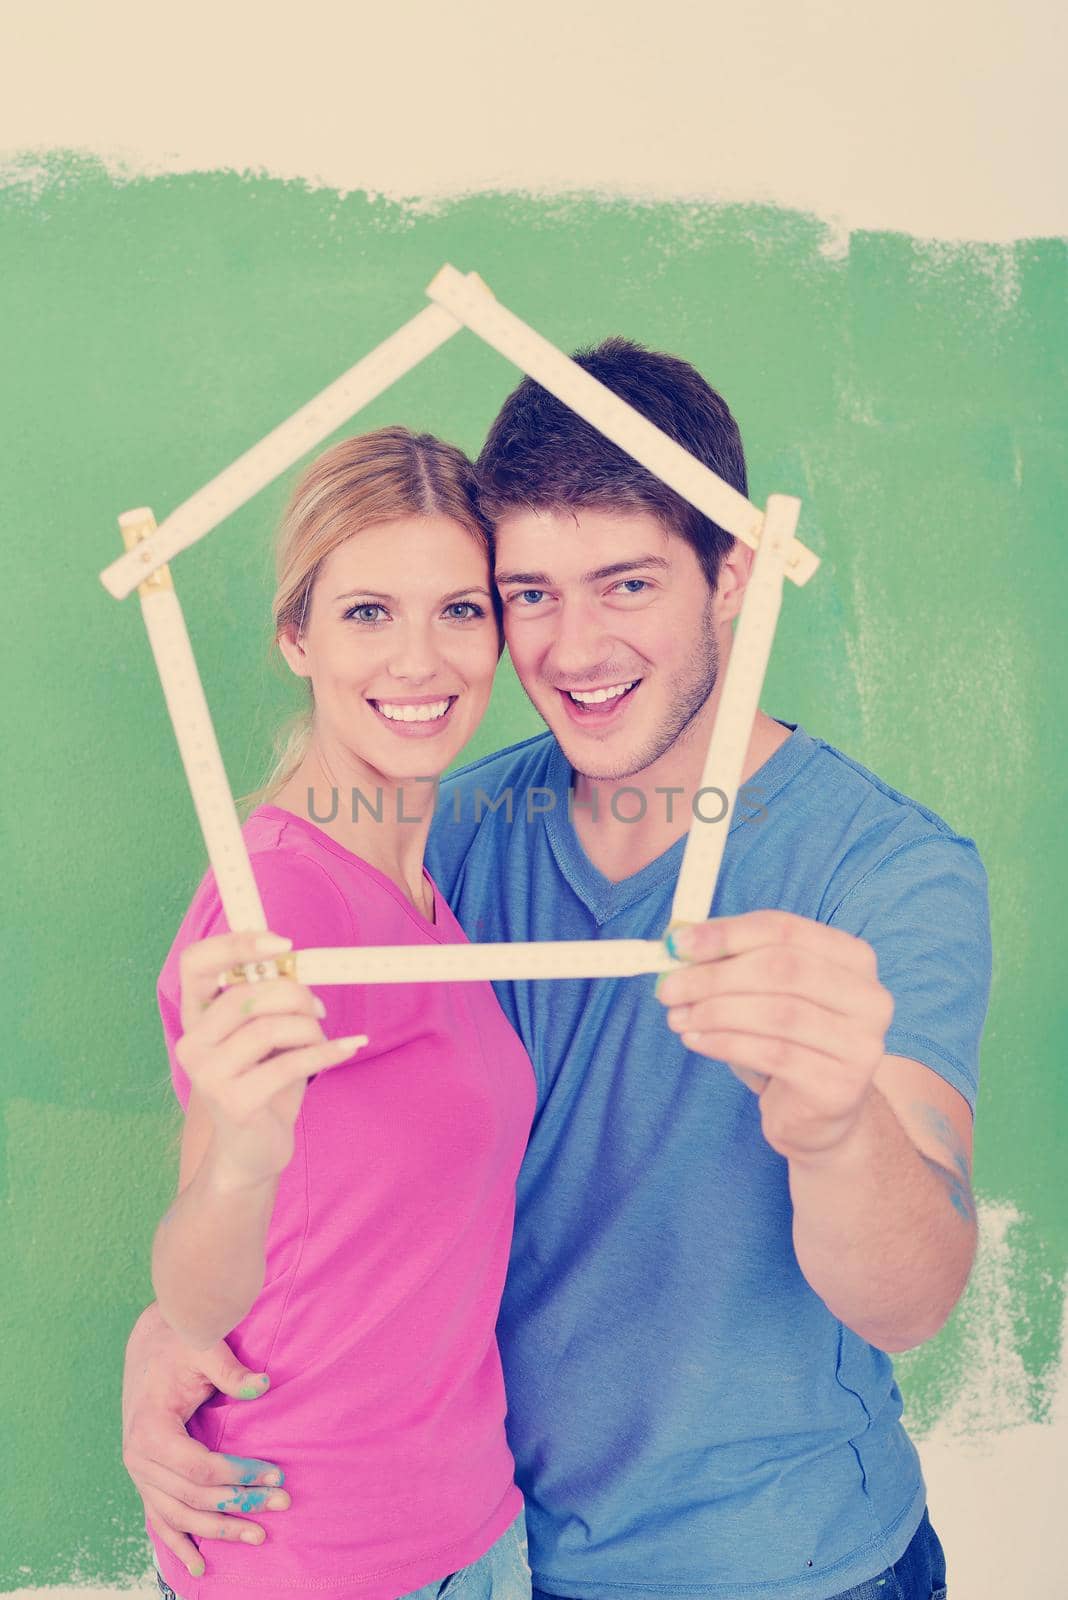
column 289, row 643
column 733, row 580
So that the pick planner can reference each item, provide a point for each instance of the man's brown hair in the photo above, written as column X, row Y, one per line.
column 540, row 455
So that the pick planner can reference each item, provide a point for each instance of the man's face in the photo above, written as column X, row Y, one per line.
column 598, row 600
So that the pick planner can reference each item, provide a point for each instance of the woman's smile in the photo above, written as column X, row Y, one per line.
column 415, row 719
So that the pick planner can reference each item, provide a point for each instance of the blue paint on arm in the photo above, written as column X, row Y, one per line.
column 957, row 1175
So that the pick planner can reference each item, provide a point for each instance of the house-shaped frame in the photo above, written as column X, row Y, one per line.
column 456, row 301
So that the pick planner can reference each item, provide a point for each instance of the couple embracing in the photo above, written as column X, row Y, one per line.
column 611, row 1267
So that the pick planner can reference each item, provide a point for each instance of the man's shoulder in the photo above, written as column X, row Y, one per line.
column 853, row 787
column 897, row 875
column 866, row 822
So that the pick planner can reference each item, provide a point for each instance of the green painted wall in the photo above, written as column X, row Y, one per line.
column 913, row 395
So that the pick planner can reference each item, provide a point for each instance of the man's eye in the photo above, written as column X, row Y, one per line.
column 641, row 583
column 524, row 594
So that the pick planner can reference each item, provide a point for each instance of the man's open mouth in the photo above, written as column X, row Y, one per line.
column 599, row 702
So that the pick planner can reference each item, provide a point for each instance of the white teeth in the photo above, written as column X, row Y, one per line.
column 595, row 696
column 428, row 713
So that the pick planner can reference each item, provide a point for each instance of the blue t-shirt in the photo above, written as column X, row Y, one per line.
column 687, row 1417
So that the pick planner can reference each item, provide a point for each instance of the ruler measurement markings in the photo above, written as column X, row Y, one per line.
column 277, row 450
column 743, row 681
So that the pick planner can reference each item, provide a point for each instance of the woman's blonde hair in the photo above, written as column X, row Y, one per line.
column 373, row 478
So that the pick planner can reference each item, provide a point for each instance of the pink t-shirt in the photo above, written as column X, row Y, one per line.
column 386, row 1256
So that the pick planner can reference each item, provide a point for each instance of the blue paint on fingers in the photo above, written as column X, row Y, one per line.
column 249, row 1469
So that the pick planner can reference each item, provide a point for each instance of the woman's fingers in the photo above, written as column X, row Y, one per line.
column 246, row 1048
column 232, row 1010
column 246, row 1024
column 255, row 1089
column 242, row 1075
column 201, row 964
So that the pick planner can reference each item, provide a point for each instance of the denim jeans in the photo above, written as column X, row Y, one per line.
column 501, row 1574
column 920, row 1574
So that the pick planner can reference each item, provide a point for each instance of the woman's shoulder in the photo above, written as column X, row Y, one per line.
column 310, row 889
column 305, row 893
column 313, row 890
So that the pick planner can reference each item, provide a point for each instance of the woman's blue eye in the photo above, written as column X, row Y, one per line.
column 354, row 612
column 470, row 607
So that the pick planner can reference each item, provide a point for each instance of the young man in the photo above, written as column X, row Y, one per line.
column 723, row 1224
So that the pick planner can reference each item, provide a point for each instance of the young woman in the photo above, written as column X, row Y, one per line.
column 344, row 1213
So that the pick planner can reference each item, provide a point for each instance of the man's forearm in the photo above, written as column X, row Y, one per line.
column 885, row 1236
column 208, row 1257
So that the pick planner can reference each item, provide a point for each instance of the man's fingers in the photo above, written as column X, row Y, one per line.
column 790, row 1018
column 178, row 1524
column 733, row 936
column 221, row 1367
column 772, row 972
column 179, row 1545
column 160, row 1454
column 208, row 1482
column 177, row 1507
column 793, row 1064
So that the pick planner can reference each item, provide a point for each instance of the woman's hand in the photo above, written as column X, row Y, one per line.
column 249, row 1051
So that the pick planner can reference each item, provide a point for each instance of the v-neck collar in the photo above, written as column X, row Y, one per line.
column 605, row 899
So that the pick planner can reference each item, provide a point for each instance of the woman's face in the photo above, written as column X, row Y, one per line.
column 401, row 645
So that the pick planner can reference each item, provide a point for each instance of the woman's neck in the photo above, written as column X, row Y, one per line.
column 384, row 823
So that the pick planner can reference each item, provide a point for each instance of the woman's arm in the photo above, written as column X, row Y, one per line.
column 248, row 1053
column 209, row 1253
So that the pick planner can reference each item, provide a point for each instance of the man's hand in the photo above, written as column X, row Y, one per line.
column 185, row 1487
column 794, row 1008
